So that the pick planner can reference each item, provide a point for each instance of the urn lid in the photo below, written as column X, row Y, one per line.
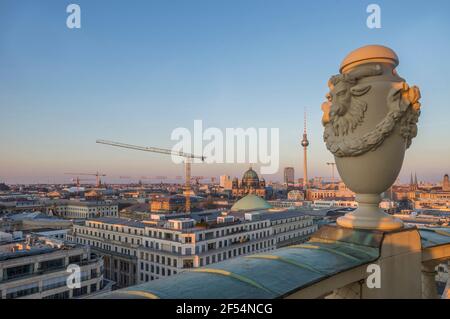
column 369, row 53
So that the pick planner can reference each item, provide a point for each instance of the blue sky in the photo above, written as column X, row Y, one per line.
column 136, row 70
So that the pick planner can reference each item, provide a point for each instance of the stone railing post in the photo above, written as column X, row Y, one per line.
column 429, row 288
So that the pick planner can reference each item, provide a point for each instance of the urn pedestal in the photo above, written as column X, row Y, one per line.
column 370, row 119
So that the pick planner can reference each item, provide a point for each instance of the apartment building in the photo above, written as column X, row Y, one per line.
column 38, row 270
column 140, row 251
column 291, row 227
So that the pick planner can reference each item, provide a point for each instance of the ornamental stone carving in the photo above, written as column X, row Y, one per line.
column 370, row 118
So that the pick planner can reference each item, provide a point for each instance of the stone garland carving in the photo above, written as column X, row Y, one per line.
column 344, row 112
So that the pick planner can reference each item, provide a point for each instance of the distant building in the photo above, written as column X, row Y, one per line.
column 331, row 193
column 333, row 203
column 93, row 195
column 289, row 177
column 54, row 194
column 317, row 182
column 174, row 203
column 436, row 200
column 83, row 209
column 137, row 211
column 4, row 187
column 226, row 182
column 296, row 195
column 446, row 184
column 291, row 204
column 250, row 184
column 20, row 203
column 413, row 184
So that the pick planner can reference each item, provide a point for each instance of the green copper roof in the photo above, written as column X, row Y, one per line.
column 434, row 236
column 272, row 274
column 250, row 174
column 249, row 203
column 276, row 273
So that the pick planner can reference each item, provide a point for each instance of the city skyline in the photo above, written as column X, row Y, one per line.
column 166, row 65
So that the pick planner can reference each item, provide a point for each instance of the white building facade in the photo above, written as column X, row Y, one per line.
column 86, row 209
column 41, row 273
column 157, row 249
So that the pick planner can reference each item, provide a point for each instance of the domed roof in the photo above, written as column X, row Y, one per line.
column 369, row 53
column 250, row 175
column 249, row 203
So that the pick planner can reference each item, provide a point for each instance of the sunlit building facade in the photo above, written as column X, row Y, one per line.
column 154, row 249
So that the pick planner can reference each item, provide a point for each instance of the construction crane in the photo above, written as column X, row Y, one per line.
column 187, row 160
column 197, row 179
column 78, row 180
column 97, row 176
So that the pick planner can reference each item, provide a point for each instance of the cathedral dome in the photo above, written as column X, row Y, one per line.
column 250, row 202
column 250, row 178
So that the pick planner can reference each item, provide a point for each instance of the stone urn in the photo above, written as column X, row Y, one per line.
column 369, row 120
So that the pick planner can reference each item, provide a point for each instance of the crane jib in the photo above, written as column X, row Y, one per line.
column 151, row 149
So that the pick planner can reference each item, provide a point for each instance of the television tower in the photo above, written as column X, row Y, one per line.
column 305, row 144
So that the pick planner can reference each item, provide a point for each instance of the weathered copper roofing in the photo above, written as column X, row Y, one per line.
column 249, row 203
column 277, row 273
column 271, row 274
column 434, row 236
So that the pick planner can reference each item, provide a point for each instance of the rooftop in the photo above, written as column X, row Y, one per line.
column 280, row 273
column 119, row 221
column 32, row 246
column 267, row 275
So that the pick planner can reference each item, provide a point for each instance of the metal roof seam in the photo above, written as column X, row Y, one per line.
column 333, row 251
column 234, row 276
column 288, row 261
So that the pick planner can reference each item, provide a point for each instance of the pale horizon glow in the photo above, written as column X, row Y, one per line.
column 136, row 71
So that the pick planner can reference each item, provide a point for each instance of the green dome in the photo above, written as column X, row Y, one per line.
column 250, row 178
column 250, row 174
column 249, row 203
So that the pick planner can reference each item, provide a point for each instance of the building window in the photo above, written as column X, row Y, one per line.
column 77, row 292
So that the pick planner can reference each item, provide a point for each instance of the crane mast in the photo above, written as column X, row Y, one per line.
column 187, row 185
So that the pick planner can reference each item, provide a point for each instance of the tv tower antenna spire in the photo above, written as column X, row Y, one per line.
column 305, row 144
